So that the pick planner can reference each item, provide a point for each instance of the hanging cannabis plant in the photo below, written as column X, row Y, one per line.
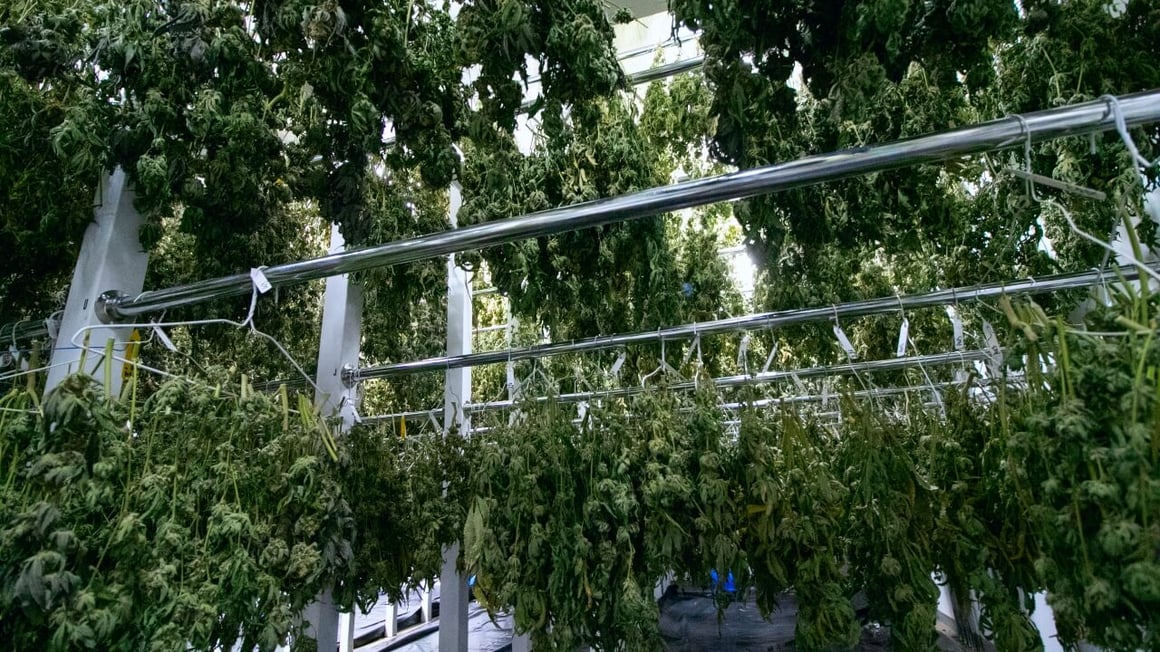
column 203, row 517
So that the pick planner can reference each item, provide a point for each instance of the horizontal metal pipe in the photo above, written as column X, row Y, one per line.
column 663, row 71
column 845, row 369
column 636, row 52
column 24, row 331
column 1054, row 123
column 758, row 321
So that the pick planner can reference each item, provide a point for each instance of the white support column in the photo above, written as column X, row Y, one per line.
column 426, row 607
column 338, row 349
column 346, row 632
column 453, row 592
column 391, row 628
column 111, row 259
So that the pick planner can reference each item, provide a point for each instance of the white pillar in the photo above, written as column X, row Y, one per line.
column 945, row 601
column 453, row 592
column 338, row 349
column 391, row 628
column 426, row 608
column 346, row 632
column 111, row 259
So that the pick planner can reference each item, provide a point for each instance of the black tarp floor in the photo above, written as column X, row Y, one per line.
column 689, row 623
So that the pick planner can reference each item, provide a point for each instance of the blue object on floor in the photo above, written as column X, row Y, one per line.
column 713, row 578
column 471, row 581
column 730, row 587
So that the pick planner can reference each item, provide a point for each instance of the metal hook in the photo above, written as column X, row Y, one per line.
column 1031, row 179
column 1025, row 136
column 1122, row 129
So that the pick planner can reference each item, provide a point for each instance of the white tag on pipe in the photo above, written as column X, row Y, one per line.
column 957, row 327
column 769, row 358
column 994, row 352
column 938, row 401
column 903, row 338
column 694, row 346
column 844, row 342
column 801, row 387
column 168, row 343
column 260, row 281
column 743, row 354
column 989, row 338
column 615, row 370
column 826, row 394
column 511, row 377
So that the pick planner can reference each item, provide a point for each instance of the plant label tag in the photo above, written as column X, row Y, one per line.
column 743, row 354
column 165, row 341
column 511, row 377
column 797, row 381
column 957, row 327
column 903, row 338
column 260, row 281
column 994, row 353
column 826, row 394
column 694, row 346
column 769, row 358
column 938, row 401
column 615, row 370
column 844, row 342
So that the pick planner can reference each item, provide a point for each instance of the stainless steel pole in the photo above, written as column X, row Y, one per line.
column 1008, row 132
column 849, row 368
column 754, row 322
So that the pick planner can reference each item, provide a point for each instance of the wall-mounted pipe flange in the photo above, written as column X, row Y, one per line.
column 348, row 375
column 106, row 307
